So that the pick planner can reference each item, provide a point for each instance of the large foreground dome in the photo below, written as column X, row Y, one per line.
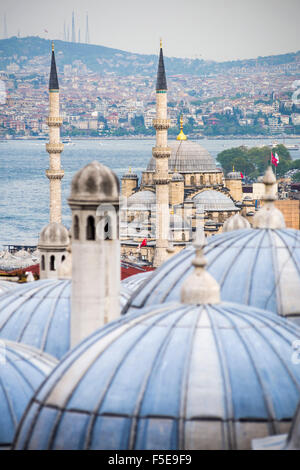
column 174, row 376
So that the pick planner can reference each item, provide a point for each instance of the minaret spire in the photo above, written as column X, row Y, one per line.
column 161, row 152
column 54, row 147
column 161, row 81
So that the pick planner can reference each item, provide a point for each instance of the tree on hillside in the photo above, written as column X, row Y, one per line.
column 254, row 161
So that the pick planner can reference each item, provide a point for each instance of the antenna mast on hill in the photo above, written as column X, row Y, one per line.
column 79, row 35
column 65, row 31
column 87, row 34
column 73, row 28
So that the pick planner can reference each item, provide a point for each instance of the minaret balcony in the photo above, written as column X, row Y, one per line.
column 55, row 174
column 161, row 152
column 54, row 148
column 161, row 124
column 54, row 121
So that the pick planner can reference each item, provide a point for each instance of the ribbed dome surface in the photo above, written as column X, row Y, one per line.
column 187, row 157
column 134, row 282
column 214, row 201
column 38, row 314
column 22, row 370
column 7, row 285
column 253, row 267
column 173, row 377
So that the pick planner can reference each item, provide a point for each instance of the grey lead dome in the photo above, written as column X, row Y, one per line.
column 214, row 201
column 188, row 157
column 54, row 235
column 94, row 183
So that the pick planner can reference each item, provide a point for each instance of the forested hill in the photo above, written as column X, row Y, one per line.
column 23, row 51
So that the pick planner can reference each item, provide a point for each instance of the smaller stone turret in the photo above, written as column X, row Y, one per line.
column 233, row 181
column 53, row 244
column 94, row 201
column 129, row 183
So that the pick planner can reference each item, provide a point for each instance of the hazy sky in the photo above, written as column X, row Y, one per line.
column 210, row 29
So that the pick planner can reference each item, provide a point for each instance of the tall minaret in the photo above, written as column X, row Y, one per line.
column 54, row 147
column 161, row 152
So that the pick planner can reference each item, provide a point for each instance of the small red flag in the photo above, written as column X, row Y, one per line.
column 144, row 242
column 275, row 159
column 242, row 176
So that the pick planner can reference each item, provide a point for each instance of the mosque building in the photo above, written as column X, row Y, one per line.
column 195, row 355
column 182, row 178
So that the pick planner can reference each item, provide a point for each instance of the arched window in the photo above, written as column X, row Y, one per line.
column 43, row 262
column 63, row 258
column 90, row 228
column 192, row 180
column 76, row 227
column 52, row 263
column 183, row 237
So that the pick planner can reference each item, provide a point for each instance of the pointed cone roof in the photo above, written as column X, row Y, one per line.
column 161, row 82
column 53, row 80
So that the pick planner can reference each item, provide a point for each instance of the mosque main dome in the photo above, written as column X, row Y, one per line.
column 188, row 157
column 173, row 376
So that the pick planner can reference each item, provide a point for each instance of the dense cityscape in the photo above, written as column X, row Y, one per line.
column 240, row 99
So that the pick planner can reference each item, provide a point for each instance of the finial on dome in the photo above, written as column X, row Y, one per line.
column 269, row 216
column 160, row 43
column 181, row 135
column 235, row 222
column 200, row 287
column 52, row 46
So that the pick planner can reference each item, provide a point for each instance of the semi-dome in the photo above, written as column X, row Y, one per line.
column 54, row 235
column 173, row 377
column 214, row 201
column 253, row 267
column 94, row 183
column 22, row 370
column 144, row 199
column 38, row 314
column 187, row 157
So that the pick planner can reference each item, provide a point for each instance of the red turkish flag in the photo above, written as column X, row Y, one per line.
column 144, row 242
column 242, row 176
